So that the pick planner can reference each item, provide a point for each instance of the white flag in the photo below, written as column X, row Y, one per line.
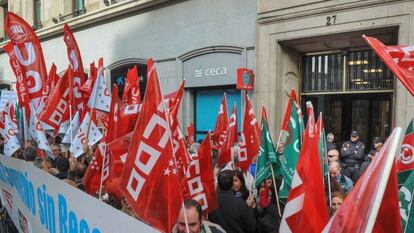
column 63, row 128
column 72, row 130
column 94, row 136
column 37, row 132
column 11, row 143
column 101, row 97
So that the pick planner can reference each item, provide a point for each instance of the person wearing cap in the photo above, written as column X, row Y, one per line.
column 376, row 147
column 352, row 155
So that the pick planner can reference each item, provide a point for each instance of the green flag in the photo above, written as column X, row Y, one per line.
column 406, row 194
column 292, row 129
column 322, row 146
column 267, row 156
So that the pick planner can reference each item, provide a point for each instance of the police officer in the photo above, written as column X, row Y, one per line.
column 352, row 154
column 376, row 147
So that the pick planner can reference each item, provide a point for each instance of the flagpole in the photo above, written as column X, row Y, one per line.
column 102, row 172
column 274, row 186
column 325, row 155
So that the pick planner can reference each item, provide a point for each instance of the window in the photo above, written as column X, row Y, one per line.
column 37, row 14
column 79, row 7
column 118, row 76
column 345, row 71
column 4, row 8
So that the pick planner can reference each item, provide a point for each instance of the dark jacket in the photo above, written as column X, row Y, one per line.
column 352, row 153
column 62, row 175
column 233, row 214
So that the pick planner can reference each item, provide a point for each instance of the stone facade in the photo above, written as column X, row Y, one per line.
column 288, row 29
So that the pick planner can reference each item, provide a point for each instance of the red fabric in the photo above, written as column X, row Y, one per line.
column 190, row 133
column 199, row 180
column 264, row 197
column 251, row 137
column 399, row 59
column 222, row 123
column 86, row 88
column 368, row 191
column 150, row 178
column 306, row 209
column 76, row 64
column 288, row 111
column 132, row 93
column 388, row 219
column 24, row 39
column 56, row 109
column 230, row 139
column 92, row 177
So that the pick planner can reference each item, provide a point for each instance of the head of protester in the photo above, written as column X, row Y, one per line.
column 335, row 172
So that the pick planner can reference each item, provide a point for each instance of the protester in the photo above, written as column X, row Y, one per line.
column 30, row 154
column 343, row 180
column 333, row 155
column 56, row 150
column 268, row 220
column 192, row 218
column 337, row 199
column 330, row 137
column 232, row 214
column 240, row 189
column 62, row 165
column 352, row 154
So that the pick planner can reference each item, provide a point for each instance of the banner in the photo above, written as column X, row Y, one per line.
column 38, row 202
column 5, row 96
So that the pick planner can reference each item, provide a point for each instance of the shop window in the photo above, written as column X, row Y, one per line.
column 118, row 77
column 345, row 71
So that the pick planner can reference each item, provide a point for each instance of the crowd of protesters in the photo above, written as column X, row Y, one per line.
column 241, row 206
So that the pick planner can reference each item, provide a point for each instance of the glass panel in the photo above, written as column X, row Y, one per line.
column 360, row 118
column 364, row 71
column 381, row 118
column 208, row 105
column 322, row 73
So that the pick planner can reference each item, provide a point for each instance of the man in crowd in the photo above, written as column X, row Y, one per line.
column 62, row 165
column 193, row 216
column 330, row 141
column 232, row 213
column 343, row 180
column 333, row 155
column 352, row 154
column 56, row 150
column 30, row 154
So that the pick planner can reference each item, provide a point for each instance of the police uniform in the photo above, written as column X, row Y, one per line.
column 352, row 155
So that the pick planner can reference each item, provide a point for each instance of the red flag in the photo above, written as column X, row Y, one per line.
column 150, row 178
column 400, row 60
column 230, row 139
column 222, row 122
column 199, row 182
column 190, row 133
column 56, row 109
column 29, row 53
column 86, row 88
column 132, row 93
column 250, row 137
column 92, row 177
column 21, row 84
column 306, row 209
column 375, row 211
column 406, row 160
column 76, row 64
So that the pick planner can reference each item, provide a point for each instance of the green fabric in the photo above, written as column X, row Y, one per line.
column 406, row 193
column 293, row 139
column 267, row 157
column 323, row 152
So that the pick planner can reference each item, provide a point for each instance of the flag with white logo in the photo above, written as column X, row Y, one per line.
column 94, row 136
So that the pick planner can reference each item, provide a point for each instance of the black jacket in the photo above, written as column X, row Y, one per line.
column 352, row 152
column 233, row 214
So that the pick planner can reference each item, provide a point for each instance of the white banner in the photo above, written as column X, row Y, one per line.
column 38, row 202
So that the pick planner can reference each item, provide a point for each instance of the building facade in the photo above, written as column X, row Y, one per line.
column 317, row 48
column 203, row 42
